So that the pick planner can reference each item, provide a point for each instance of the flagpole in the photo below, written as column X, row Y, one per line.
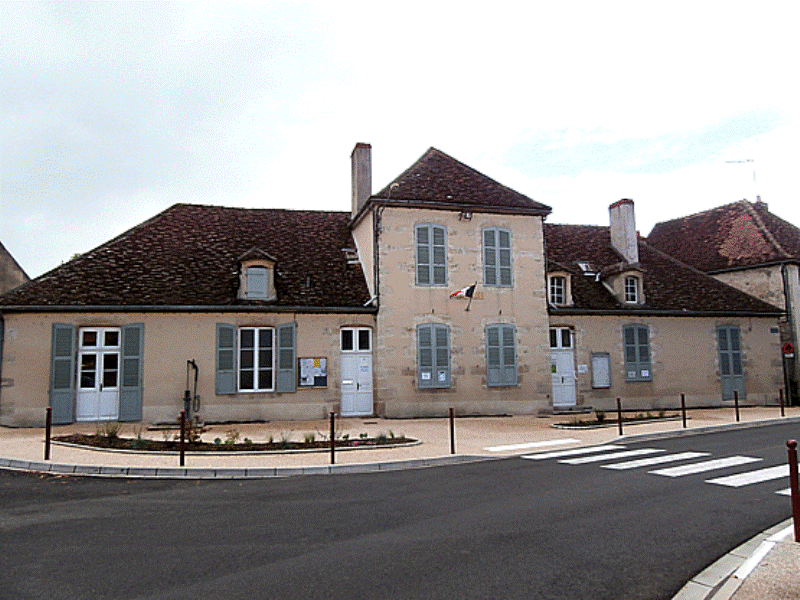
column 470, row 298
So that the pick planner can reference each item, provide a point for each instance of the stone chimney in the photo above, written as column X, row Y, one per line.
column 623, row 230
column 361, row 160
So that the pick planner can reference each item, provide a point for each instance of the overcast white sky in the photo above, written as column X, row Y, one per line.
column 111, row 112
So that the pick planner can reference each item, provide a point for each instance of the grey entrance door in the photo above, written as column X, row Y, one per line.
column 730, row 361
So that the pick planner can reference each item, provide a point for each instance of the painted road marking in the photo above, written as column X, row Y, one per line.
column 614, row 455
column 655, row 460
column 752, row 476
column 786, row 492
column 576, row 451
column 530, row 445
column 709, row 465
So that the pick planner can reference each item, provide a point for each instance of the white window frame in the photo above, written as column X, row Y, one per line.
column 631, row 291
column 552, row 291
column 356, row 339
column 557, row 338
column 257, row 332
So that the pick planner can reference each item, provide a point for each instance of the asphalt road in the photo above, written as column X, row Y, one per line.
column 512, row 528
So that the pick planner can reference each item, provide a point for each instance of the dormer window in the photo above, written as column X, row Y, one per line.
column 631, row 289
column 256, row 276
column 558, row 290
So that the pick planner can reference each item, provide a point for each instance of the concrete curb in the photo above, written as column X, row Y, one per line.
column 234, row 473
column 720, row 580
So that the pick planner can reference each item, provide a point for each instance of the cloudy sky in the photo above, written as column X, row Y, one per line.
column 111, row 112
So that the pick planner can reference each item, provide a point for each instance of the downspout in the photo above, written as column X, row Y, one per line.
column 787, row 376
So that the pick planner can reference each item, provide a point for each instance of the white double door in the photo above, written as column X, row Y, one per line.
column 356, row 371
column 98, row 374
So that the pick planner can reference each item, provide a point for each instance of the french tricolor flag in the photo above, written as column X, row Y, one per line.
column 466, row 292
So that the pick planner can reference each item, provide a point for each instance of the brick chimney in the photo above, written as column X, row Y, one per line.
column 361, row 161
column 623, row 230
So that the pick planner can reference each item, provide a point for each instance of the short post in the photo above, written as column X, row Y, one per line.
column 452, row 432
column 736, row 403
column 333, row 438
column 183, row 438
column 683, row 409
column 48, row 428
column 619, row 415
column 780, row 399
column 792, row 451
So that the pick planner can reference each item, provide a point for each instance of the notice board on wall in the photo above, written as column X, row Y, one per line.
column 313, row 372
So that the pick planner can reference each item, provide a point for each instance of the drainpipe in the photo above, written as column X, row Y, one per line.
column 788, row 376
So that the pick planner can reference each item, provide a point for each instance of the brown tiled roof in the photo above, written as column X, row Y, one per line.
column 737, row 235
column 439, row 179
column 669, row 285
column 189, row 256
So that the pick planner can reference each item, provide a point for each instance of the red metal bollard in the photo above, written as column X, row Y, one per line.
column 183, row 438
column 619, row 415
column 683, row 409
column 452, row 433
column 48, row 428
column 333, row 438
column 736, row 403
column 780, row 398
column 792, row 452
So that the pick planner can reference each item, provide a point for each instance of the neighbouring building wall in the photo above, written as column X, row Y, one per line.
column 405, row 305
column 11, row 274
column 684, row 358
column 363, row 236
column 169, row 340
column 767, row 283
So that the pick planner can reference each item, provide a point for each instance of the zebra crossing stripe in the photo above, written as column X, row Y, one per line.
column 613, row 456
column 655, row 460
column 752, row 476
column 702, row 467
column 529, row 445
column 786, row 492
column 574, row 452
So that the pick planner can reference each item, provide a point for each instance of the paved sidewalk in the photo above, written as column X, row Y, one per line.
column 774, row 577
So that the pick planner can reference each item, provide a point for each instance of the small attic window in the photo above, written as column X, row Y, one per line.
column 256, row 276
column 257, row 285
column 559, row 291
column 631, row 289
column 351, row 254
column 586, row 267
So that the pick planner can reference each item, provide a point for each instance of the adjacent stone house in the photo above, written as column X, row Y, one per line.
column 11, row 274
column 745, row 246
column 444, row 289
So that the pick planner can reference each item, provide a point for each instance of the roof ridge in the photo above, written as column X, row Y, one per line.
column 764, row 229
column 697, row 214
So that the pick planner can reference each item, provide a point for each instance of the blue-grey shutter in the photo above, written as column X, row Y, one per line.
column 730, row 361
column 130, row 390
column 501, row 355
column 497, row 269
column 286, row 380
column 430, row 242
column 509, row 354
column 425, row 376
column 62, row 373
column 433, row 356
column 225, row 381
column 637, row 353
column 442, row 355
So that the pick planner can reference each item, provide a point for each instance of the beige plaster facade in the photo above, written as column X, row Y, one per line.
column 170, row 339
column 684, row 357
column 772, row 283
column 404, row 305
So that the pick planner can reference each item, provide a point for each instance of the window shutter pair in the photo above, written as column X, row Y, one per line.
column 286, row 348
column 433, row 356
column 501, row 355
column 497, row 257
column 431, row 254
column 62, row 373
column 636, row 340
